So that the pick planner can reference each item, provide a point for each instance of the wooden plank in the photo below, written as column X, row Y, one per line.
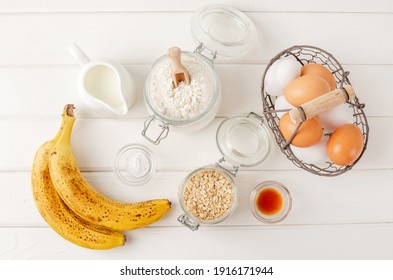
column 345, row 217
column 46, row 89
column 133, row 44
column 24, row 6
column 273, row 242
column 356, row 197
column 96, row 141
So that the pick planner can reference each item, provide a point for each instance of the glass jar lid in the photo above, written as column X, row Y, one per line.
column 134, row 164
column 243, row 140
column 223, row 30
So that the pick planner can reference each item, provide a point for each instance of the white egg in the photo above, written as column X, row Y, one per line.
column 315, row 154
column 281, row 103
column 336, row 117
column 280, row 74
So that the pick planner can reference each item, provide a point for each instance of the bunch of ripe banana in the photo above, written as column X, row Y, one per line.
column 72, row 207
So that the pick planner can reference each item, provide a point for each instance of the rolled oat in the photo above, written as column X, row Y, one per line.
column 208, row 194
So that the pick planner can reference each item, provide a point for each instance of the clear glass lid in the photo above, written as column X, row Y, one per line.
column 223, row 30
column 244, row 140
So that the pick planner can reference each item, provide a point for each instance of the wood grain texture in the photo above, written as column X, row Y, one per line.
column 276, row 242
column 96, row 141
column 344, row 217
column 31, row 92
column 356, row 197
column 48, row 6
column 123, row 37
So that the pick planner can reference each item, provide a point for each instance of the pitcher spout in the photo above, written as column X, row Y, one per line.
column 78, row 54
column 120, row 111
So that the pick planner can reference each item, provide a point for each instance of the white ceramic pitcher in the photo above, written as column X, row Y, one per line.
column 103, row 84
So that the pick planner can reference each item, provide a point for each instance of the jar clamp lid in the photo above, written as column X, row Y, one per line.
column 223, row 30
column 219, row 30
column 243, row 141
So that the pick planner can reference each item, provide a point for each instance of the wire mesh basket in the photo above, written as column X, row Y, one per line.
column 309, row 54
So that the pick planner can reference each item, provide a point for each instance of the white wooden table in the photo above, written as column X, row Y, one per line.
column 344, row 217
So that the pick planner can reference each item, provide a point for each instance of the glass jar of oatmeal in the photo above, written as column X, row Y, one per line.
column 219, row 30
column 209, row 195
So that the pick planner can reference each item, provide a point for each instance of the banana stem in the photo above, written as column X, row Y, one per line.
column 69, row 110
column 68, row 123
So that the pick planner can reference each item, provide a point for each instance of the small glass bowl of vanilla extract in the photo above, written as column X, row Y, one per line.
column 270, row 202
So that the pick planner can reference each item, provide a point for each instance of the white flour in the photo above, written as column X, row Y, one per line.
column 186, row 101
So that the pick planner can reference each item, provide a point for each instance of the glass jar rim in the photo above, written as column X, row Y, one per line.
column 213, row 101
column 255, row 127
column 223, row 30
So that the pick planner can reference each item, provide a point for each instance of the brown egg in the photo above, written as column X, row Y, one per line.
column 305, row 88
column 309, row 133
column 321, row 71
column 345, row 145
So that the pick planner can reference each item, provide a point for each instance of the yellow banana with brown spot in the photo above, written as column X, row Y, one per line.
column 65, row 222
column 88, row 203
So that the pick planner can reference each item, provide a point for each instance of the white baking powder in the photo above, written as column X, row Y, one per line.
column 186, row 101
column 138, row 165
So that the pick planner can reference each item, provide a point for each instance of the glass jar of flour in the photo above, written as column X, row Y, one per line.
column 219, row 30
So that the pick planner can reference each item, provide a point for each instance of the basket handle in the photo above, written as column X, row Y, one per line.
column 321, row 104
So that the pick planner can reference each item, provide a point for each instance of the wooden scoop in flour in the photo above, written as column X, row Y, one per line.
column 321, row 104
column 179, row 73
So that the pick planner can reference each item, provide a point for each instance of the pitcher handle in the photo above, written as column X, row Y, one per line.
column 78, row 54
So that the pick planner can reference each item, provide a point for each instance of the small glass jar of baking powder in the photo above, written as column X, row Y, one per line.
column 134, row 164
column 219, row 30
